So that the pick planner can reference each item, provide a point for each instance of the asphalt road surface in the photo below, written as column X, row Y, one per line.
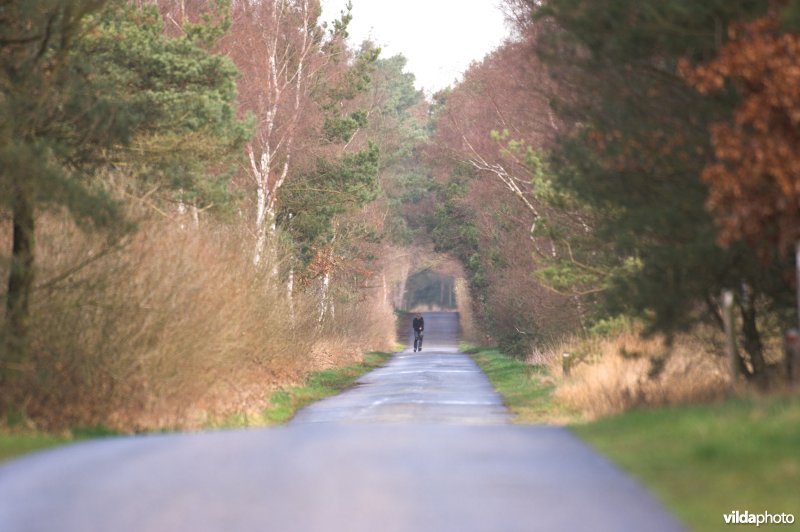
column 423, row 444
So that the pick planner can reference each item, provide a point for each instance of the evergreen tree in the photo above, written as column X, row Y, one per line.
column 637, row 152
column 95, row 97
column 58, row 121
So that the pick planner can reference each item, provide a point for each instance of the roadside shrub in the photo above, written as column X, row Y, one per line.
column 173, row 327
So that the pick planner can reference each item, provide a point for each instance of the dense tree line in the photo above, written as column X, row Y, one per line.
column 646, row 152
column 611, row 159
column 255, row 117
column 98, row 102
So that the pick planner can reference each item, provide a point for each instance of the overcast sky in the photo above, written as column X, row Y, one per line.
column 438, row 37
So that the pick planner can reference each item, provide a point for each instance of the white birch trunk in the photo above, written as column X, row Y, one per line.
column 260, row 176
column 323, row 298
column 281, row 76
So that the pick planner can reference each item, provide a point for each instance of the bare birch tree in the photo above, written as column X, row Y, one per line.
column 277, row 46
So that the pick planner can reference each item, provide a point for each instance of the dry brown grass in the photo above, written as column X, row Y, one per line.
column 174, row 328
column 617, row 373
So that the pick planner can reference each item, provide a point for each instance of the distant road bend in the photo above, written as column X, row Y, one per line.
column 423, row 444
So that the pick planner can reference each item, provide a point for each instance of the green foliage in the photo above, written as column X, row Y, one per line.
column 526, row 389
column 96, row 431
column 791, row 16
column 634, row 31
column 340, row 25
column 309, row 204
column 183, row 99
column 342, row 129
column 611, row 327
column 284, row 404
column 393, row 127
column 110, row 89
column 354, row 81
column 15, row 444
column 635, row 159
column 453, row 228
column 577, row 263
column 459, row 237
column 215, row 23
column 397, row 230
column 17, row 441
column 315, row 206
column 59, row 116
column 395, row 123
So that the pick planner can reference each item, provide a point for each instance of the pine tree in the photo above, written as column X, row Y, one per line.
column 638, row 150
column 94, row 92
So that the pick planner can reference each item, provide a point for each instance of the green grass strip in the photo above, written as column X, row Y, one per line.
column 17, row 444
column 526, row 389
column 16, row 441
column 706, row 461
column 284, row 404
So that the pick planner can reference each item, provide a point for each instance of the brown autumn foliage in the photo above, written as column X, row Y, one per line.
column 754, row 182
column 502, row 99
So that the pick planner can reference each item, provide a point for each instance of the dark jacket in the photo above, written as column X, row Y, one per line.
column 418, row 324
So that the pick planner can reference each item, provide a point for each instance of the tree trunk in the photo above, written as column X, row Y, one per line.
column 325, row 285
column 752, row 338
column 20, row 283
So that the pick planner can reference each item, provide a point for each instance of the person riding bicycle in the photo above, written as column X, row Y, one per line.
column 419, row 326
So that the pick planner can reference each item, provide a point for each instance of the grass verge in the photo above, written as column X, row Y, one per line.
column 526, row 389
column 702, row 461
column 15, row 442
column 706, row 461
column 285, row 403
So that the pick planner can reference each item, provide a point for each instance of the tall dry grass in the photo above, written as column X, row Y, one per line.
column 172, row 328
column 614, row 373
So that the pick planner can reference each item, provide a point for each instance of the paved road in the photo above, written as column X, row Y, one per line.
column 422, row 445
column 436, row 385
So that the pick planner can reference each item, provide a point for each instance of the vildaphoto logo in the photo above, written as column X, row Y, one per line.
column 764, row 518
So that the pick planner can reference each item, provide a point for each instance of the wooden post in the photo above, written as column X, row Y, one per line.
column 792, row 351
column 730, row 335
column 566, row 362
column 797, row 277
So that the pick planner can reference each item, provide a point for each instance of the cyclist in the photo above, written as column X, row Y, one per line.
column 419, row 326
